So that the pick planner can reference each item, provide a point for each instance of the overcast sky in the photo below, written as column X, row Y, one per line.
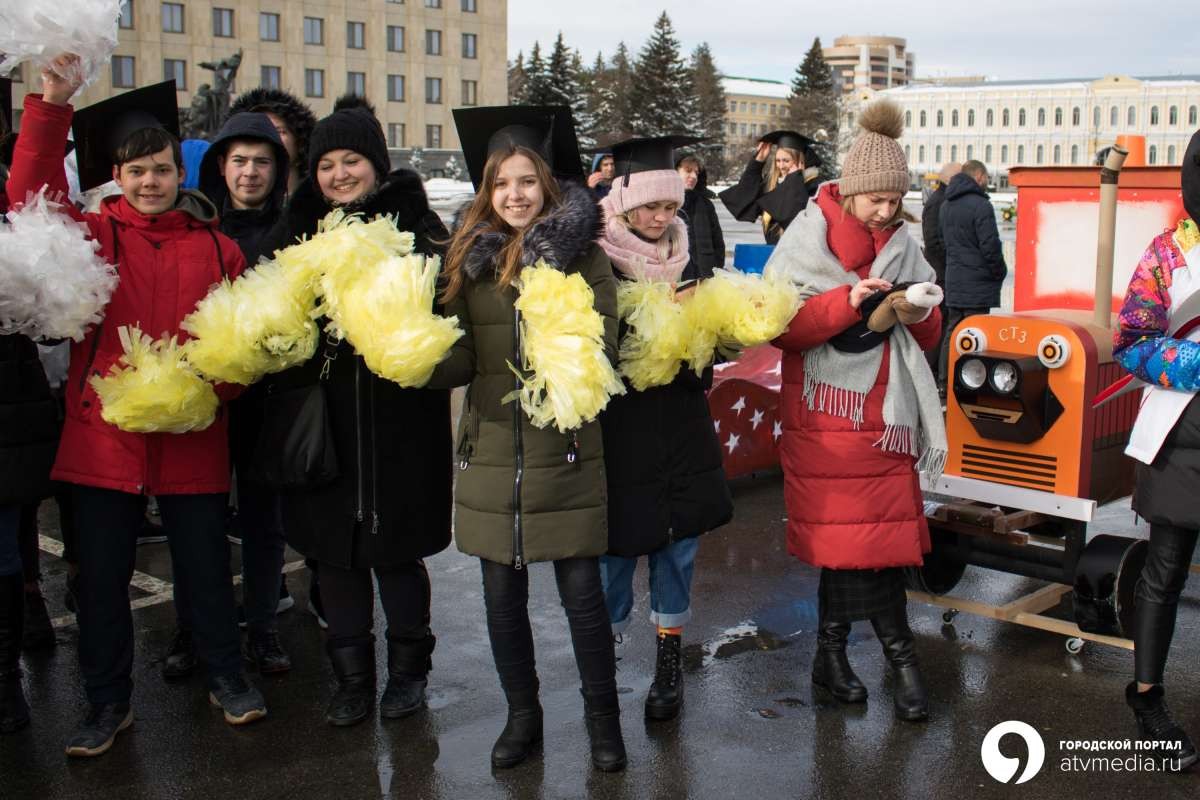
column 1001, row 39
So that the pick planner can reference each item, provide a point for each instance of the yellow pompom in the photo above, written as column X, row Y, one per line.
column 658, row 338
column 341, row 238
column 738, row 310
column 385, row 310
column 256, row 325
column 153, row 390
column 567, row 377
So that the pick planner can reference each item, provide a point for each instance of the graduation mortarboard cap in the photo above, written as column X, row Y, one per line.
column 647, row 154
column 101, row 128
column 549, row 131
column 788, row 139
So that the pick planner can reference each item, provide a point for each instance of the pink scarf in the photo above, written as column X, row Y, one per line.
column 637, row 258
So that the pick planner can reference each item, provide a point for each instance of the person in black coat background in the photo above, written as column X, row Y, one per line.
column 975, row 267
column 706, row 242
column 390, row 505
column 779, row 195
column 935, row 248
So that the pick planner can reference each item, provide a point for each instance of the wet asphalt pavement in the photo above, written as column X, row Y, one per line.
column 752, row 723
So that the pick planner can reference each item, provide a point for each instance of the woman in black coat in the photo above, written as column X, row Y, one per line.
column 706, row 242
column 777, row 196
column 389, row 506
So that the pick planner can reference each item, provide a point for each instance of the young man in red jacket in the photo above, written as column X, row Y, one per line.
column 168, row 251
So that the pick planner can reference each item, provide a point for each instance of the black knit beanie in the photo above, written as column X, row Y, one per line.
column 354, row 129
column 1190, row 178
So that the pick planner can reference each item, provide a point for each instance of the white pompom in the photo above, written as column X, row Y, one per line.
column 924, row 295
column 41, row 31
column 53, row 282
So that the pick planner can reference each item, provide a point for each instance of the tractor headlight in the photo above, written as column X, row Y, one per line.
column 973, row 373
column 1005, row 377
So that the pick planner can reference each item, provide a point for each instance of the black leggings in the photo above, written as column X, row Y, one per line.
column 1163, row 578
column 506, row 595
column 349, row 600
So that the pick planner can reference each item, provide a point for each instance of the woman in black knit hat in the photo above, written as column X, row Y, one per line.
column 389, row 507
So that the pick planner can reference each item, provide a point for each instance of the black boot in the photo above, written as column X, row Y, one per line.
column 908, row 690
column 1154, row 724
column 831, row 669
column 604, row 728
column 39, row 631
column 14, row 711
column 354, row 666
column 523, row 731
column 665, row 697
column 405, row 691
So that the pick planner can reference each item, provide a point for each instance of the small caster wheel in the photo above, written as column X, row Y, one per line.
column 1074, row 645
column 949, row 615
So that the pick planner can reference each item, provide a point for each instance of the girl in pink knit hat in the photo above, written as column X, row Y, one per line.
column 860, row 406
column 666, row 485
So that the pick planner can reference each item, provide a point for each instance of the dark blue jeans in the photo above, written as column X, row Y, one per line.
column 107, row 524
column 10, row 549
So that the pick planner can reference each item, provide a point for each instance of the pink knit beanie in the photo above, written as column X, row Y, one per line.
column 658, row 185
column 876, row 162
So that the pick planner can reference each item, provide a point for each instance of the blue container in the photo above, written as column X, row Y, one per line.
column 751, row 257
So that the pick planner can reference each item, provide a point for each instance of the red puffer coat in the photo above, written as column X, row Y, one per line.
column 167, row 263
column 851, row 504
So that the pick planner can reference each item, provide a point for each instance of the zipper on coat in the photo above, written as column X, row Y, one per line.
column 358, row 440
column 519, row 450
column 573, row 450
column 464, row 442
column 374, row 460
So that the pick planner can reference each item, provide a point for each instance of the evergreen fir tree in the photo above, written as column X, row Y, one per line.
column 561, row 83
column 710, row 107
column 538, row 91
column 597, row 99
column 516, row 80
column 620, row 85
column 814, row 107
column 581, row 106
column 662, row 98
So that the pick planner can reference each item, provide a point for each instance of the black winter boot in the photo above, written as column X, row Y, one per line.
column 405, row 691
column 14, row 710
column 39, row 631
column 604, row 728
column 831, row 669
column 523, row 731
column 908, row 690
column 354, row 666
column 665, row 697
column 1154, row 724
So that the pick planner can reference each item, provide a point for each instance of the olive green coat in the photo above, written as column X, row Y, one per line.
column 525, row 494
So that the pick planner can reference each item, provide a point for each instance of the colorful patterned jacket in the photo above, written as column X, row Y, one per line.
column 1140, row 344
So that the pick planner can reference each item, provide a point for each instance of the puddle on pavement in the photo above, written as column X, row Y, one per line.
column 745, row 637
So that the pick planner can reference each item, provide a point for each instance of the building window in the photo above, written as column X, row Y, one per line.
column 1074, row 154
column 396, row 134
column 1170, row 154
column 1006, row 118
column 433, row 42
column 356, row 83
column 742, row 128
column 908, row 153
column 396, row 90
column 468, row 45
column 433, row 136
column 937, row 154
column 1153, row 115
column 921, row 154
column 954, row 118
column 126, row 19
column 1191, row 115
column 1131, row 117
column 433, row 3
column 1058, row 117
column 970, row 118
column 172, row 17
column 1113, row 117
column 970, row 152
column 1041, row 118
column 433, row 90
column 907, row 117
column 470, row 93
column 314, row 30
column 924, row 119
column 395, row 38
column 987, row 153
column 954, row 152
column 268, row 27
column 1173, row 115
column 122, row 72
column 223, row 22
column 941, row 118
column 754, row 108
column 468, row 6
column 355, row 35
column 1076, row 116
column 1003, row 154
column 989, row 118
column 1058, row 154
column 1021, row 118
column 1020, row 154
column 269, row 77
column 1041, row 153
column 745, row 106
column 1096, row 117
column 314, row 82
column 733, row 106
column 175, row 70
column 1152, row 158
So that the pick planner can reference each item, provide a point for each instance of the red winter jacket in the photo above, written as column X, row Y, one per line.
column 167, row 263
column 851, row 504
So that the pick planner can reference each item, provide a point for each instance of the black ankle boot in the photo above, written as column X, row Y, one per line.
column 523, row 731
column 1154, row 724
column 405, row 691
column 39, row 631
column 665, row 697
column 908, row 690
column 604, row 729
column 831, row 669
column 354, row 666
column 14, row 710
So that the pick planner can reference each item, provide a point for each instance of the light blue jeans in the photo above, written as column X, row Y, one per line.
column 670, row 585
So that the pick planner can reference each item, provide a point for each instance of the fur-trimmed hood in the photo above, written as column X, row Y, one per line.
column 285, row 105
column 558, row 238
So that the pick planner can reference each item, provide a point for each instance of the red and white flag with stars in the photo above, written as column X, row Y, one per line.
column 744, row 403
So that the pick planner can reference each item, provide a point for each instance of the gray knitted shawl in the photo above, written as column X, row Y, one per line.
column 837, row 383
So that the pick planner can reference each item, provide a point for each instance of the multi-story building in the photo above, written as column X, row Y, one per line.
column 414, row 59
column 869, row 62
column 1040, row 122
column 753, row 107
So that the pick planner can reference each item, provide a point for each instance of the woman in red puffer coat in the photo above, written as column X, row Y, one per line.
column 860, row 406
